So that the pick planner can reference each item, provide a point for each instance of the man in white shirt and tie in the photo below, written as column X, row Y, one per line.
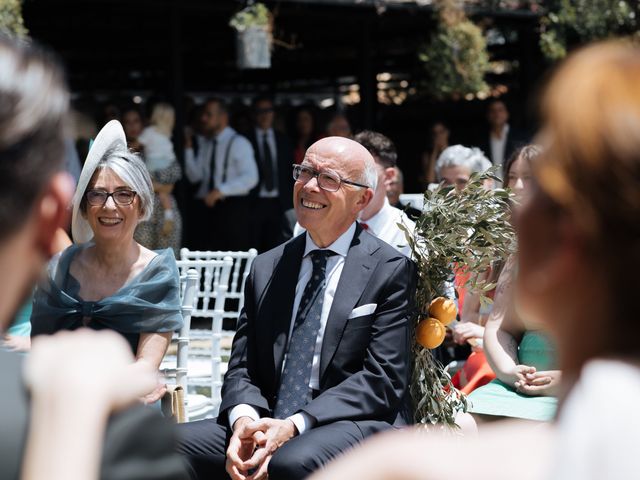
column 221, row 167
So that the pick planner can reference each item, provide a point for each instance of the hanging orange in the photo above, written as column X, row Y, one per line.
column 444, row 309
column 430, row 333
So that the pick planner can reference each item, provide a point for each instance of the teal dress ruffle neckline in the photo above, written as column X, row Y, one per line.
column 149, row 303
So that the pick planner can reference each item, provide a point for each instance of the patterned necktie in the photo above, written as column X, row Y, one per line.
column 294, row 392
column 267, row 164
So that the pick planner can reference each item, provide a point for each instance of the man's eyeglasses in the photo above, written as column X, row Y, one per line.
column 120, row 197
column 326, row 180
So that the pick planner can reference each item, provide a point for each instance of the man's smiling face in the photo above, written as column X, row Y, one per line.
column 324, row 214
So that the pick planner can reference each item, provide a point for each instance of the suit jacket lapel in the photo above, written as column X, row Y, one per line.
column 285, row 278
column 356, row 272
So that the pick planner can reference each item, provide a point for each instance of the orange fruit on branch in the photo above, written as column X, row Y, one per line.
column 430, row 333
column 444, row 309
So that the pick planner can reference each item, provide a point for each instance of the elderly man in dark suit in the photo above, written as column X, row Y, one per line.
column 322, row 352
column 272, row 196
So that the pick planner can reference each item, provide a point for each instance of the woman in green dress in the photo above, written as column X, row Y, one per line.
column 519, row 352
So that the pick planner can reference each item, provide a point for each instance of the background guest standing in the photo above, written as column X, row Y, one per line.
column 273, row 194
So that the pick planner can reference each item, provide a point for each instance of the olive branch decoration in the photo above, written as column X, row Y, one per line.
column 467, row 230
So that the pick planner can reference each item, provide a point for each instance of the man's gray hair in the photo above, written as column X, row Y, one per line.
column 369, row 175
column 461, row 156
column 132, row 170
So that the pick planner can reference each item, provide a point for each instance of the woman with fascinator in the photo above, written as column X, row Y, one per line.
column 106, row 280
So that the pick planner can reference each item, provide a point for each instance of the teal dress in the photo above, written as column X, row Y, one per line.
column 21, row 327
column 149, row 303
column 498, row 398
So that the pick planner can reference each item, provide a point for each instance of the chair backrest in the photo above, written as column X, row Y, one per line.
column 240, row 270
column 211, row 295
column 188, row 289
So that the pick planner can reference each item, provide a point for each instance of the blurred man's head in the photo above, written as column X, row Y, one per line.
column 385, row 156
column 34, row 193
column 395, row 187
column 339, row 126
column 214, row 117
column 497, row 114
column 334, row 183
column 263, row 112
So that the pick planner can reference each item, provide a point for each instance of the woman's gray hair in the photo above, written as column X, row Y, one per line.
column 461, row 156
column 369, row 175
column 132, row 170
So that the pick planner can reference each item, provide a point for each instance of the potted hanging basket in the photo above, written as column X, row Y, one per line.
column 253, row 36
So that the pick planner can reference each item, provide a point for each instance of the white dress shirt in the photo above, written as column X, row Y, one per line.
column 384, row 225
column 242, row 172
column 271, row 141
column 498, row 146
column 334, row 267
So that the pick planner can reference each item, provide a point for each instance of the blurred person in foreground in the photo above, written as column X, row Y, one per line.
column 107, row 280
column 57, row 403
column 320, row 360
column 579, row 239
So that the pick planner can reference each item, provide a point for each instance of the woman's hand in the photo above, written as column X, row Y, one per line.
column 543, row 383
column 156, row 394
column 520, row 373
column 16, row 343
column 463, row 331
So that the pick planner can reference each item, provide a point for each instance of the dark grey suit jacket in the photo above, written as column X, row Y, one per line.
column 365, row 361
column 138, row 444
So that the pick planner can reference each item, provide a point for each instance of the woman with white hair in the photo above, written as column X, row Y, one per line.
column 457, row 163
column 106, row 280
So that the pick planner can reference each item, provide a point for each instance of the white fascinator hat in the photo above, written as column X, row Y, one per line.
column 109, row 138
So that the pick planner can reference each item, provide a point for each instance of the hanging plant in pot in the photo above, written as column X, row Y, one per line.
column 253, row 36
